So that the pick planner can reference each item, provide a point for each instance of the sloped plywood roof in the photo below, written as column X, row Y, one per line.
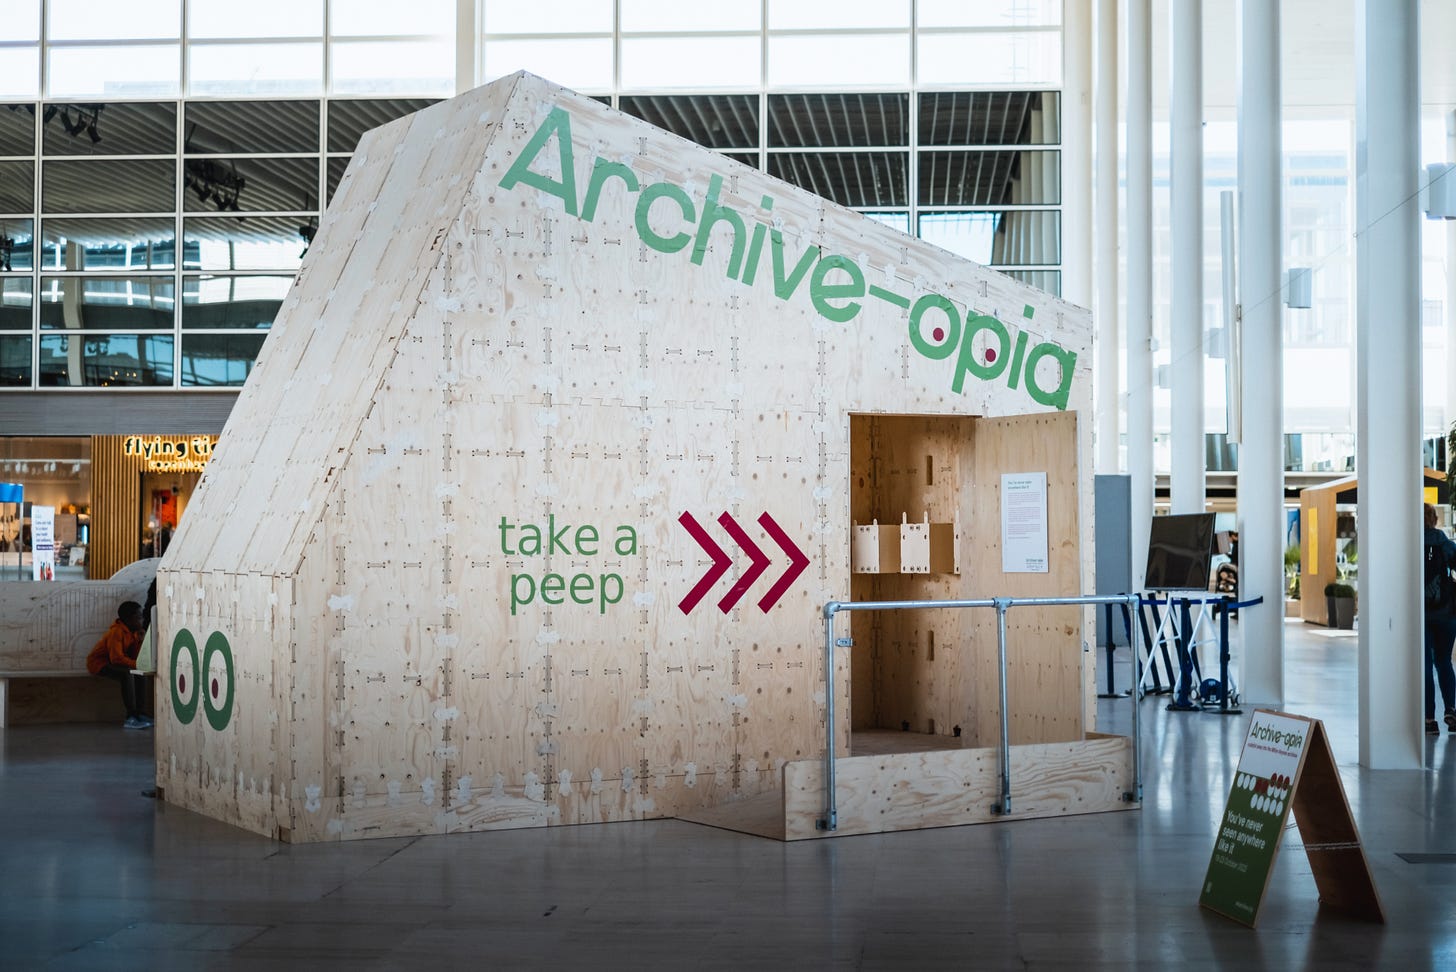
column 327, row 352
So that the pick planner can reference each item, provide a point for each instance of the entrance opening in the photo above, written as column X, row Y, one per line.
column 925, row 498
column 908, row 502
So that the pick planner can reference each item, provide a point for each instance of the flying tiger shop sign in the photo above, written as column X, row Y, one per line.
column 983, row 347
column 168, row 453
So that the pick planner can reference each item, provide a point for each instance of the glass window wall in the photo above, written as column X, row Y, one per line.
column 108, row 162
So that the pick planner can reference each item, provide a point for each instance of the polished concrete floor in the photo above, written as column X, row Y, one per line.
column 93, row 875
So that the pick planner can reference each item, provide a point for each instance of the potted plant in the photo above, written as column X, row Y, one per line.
column 1291, row 571
column 1340, row 601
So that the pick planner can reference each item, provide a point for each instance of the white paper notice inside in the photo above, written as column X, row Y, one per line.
column 1024, row 523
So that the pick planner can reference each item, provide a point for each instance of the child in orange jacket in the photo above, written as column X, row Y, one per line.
column 115, row 655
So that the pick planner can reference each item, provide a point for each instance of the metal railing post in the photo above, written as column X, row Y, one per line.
column 1134, row 603
column 830, row 821
column 1002, row 603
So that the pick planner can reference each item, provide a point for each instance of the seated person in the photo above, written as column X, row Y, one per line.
column 115, row 655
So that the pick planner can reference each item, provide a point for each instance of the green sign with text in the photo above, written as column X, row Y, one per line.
column 1254, row 817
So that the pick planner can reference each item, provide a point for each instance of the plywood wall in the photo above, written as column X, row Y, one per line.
column 538, row 368
column 230, row 766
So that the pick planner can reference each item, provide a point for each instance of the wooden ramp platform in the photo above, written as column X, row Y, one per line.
column 762, row 815
column 925, row 788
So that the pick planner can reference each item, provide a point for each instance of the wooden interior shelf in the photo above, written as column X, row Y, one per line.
column 909, row 548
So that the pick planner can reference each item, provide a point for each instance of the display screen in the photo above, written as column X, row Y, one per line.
column 1179, row 551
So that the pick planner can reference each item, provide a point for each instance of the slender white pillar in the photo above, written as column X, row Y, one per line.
column 1388, row 353
column 1261, row 453
column 467, row 45
column 1186, row 115
column 1077, row 153
column 1105, row 212
column 1450, row 415
column 1140, row 278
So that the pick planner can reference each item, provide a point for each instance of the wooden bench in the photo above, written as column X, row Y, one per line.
column 46, row 632
column 38, row 697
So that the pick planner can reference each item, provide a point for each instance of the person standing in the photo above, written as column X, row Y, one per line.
column 115, row 656
column 1440, row 602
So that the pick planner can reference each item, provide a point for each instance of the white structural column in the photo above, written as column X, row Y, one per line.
column 1450, row 286
column 1388, row 351
column 1076, row 188
column 1140, row 279
column 467, row 45
column 1105, row 260
column 1186, row 115
column 1261, row 452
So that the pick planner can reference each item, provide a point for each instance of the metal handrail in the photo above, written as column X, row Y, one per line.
column 830, row 820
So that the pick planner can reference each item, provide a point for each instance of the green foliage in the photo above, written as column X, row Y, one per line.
column 1337, row 589
column 1451, row 451
column 1291, row 557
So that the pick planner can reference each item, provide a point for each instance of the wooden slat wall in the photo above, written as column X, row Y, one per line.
column 115, row 498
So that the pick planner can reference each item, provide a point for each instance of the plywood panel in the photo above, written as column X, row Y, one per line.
column 1045, row 685
column 222, row 760
column 911, row 791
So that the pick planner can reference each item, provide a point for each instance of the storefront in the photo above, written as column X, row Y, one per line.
column 118, row 498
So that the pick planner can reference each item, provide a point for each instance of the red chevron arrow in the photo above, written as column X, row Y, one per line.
column 720, row 566
column 797, row 562
column 760, row 563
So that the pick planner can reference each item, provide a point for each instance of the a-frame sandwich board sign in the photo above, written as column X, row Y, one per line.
column 1286, row 764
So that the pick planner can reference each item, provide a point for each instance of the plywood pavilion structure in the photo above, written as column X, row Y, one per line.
column 504, row 529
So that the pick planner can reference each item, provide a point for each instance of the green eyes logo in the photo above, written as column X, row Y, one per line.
column 209, row 680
